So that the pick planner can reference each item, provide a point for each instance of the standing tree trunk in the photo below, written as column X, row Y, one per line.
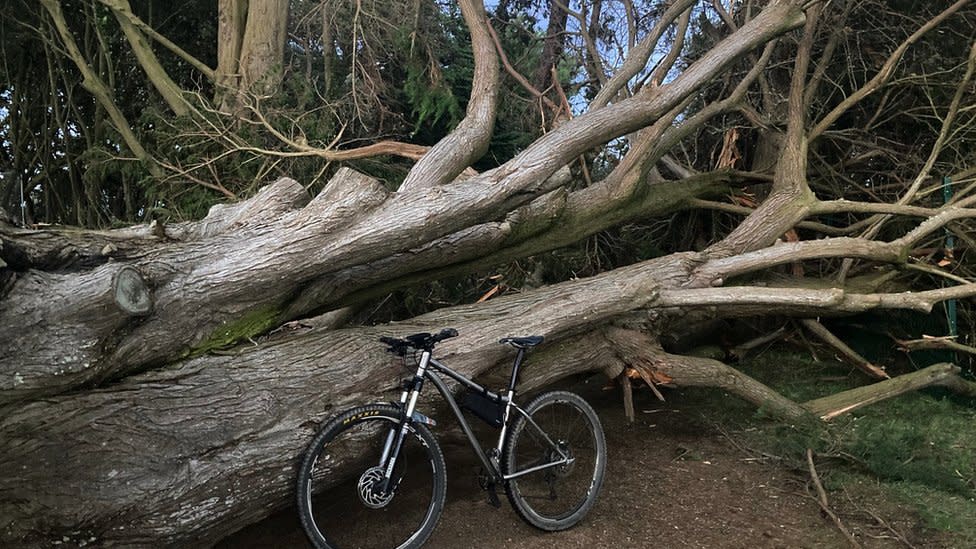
column 250, row 50
column 231, row 20
column 262, row 54
column 552, row 45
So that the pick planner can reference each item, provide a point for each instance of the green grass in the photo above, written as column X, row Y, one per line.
column 917, row 451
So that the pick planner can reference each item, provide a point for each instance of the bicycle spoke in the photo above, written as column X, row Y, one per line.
column 358, row 512
column 555, row 497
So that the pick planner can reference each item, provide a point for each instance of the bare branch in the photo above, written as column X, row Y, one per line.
column 94, row 84
column 167, row 88
column 123, row 11
column 852, row 356
column 657, row 76
column 824, row 506
column 560, row 146
column 887, row 70
column 637, row 58
column 948, row 343
column 523, row 81
column 752, row 300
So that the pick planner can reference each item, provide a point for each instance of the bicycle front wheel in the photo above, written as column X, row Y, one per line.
column 557, row 497
column 340, row 499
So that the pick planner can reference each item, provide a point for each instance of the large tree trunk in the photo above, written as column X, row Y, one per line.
column 189, row 453
column 154, row 472
column 231, row 20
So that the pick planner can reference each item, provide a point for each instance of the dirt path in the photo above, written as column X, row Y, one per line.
column 671, row 483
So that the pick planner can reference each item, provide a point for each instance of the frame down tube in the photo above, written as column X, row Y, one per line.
column 491, row 468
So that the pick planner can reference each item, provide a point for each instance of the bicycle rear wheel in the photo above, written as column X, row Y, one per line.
column 555, row 498
column 339, row 502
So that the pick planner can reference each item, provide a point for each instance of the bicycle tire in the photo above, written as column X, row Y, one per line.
column 328, row 523
column 571, row 422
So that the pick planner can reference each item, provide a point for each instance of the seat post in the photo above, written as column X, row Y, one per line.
column 515, row 370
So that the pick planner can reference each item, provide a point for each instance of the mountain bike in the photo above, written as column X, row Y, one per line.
column 385, row 470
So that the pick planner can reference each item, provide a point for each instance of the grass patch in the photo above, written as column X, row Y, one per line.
column 916, row 451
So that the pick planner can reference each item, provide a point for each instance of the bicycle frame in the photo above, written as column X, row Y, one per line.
column 428, row 368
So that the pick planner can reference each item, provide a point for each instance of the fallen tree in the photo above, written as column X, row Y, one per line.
column 158, row 382
column 195, row 451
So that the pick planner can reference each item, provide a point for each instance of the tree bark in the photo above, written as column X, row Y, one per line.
column 231, row 20
column 260, row 270
column 172, row 94
column 263, row 46
column 155, row 473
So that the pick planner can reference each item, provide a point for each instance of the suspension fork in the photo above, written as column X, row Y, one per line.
column 396, row 436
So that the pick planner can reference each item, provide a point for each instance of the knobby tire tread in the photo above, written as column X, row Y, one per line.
column 335, row 427
column 522, row 508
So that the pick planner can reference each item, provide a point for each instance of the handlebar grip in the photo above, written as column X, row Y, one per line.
column 448, row 332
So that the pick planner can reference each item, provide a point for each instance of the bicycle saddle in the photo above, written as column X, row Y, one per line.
column 522, row 342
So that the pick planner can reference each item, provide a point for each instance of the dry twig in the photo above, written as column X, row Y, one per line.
column 824, row 505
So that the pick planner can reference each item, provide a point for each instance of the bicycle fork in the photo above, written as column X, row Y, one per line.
column 396, row 436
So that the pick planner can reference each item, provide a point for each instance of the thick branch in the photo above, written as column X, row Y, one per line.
column 715, row 271
column 790, row 197
column 122, row 10
column 469, row 140
column 97, row 87
column 168, row 90
column 759, row 300
column 639, row 350
column 70, row 248
column 832, row 406
column 550, row 222
column 88, row 312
